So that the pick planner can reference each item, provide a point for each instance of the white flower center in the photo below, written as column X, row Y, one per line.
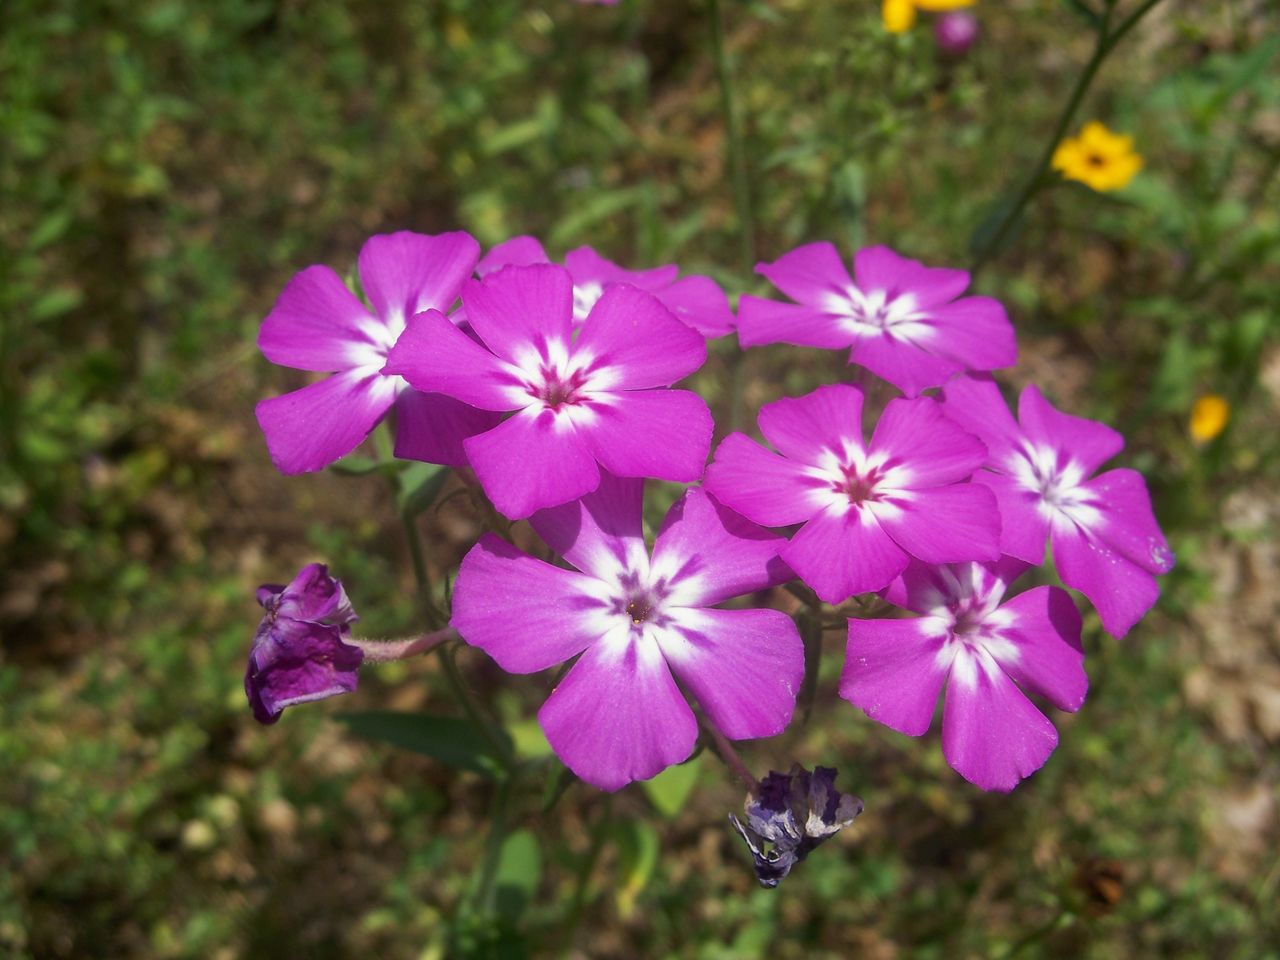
column 875, row 312
column 1057, row 482
column 585, row 296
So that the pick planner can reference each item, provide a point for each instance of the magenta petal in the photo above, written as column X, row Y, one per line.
column 925, row 586
column 975, row 332
column 406, row 273
column 431, row 427
column 437, row 357
column 930, row 447
column 603, row 532
column 700, row 303
column 1049, row 660
column 708, row 553
column 1121, row 591
column 761, row 485
column 880, row 269
column 946, row 524
column 311, row 428
column 1024, row 527
column 519, row 251
column 523, row 612
column 317, row 324
column 587, row 266
column 534, row 460
column 809, row 274
column 618, row 715
column 1087, row 442
column 521, row 308
column 804, row 428
column 892, row 672
column 1128, row 525
column 908, row 367
column 991, row 734
column 841, row 552
column 768, row 321
column 976, row 404
column 744, row 667
column 665, row 434
column 638, row 341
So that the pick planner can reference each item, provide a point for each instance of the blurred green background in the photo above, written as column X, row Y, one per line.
column 165, row 167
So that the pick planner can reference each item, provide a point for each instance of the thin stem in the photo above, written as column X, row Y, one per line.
column 737, row 146
column 725, row 751
column 1107, row 39
column 458, row 687
column 803, row 594
column 487, row 892
column 1035, row 936
column 387, row 651
column 583, row 880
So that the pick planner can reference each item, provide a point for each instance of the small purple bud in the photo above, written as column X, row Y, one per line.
column 955, row 32
column 792, row 813
column 298, row 653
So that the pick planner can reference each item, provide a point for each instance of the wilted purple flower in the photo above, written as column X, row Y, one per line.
column 318, row 324
column 635, row 618
column 901, row 318
column 866, row 508
column 298, row 654
column 1106, row 542
column 788, row 815
column 992, row 735
column 695, row 300
column 955, row 32
column 583, row 403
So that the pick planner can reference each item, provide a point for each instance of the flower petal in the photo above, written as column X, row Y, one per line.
column 744, row 667
column 944, row 524
column 709, row 554
column 880, row 269
column 909, row 365
column 603, row 532
column 1121, row 590
column 991, row 734
column 665, row 434
column 587, row 266
column 1024, row 527
column 314, row 595
column 761, row 485
column 520, row 251
column 841, row 552
column 1127, row 523
column 769, row 321
column 1048, row 660
column 522, row 611
column 809, row 274
column 533, row 460
column 618, row 715
column 976, row 404
column 295, row 661
column 310, row 428
column 975, row 332
column 1086, row 441
column 519, row 309
column 701, row 303
column 923, row 447
column 405, row 273
column 893, row 673
column 318, row 324
column 437, row 357
column 804, row 428
column 638, row 341
column 431, row 427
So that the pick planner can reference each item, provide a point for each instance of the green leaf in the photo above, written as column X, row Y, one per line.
column 452, row 741
column 637, row 858
column 420, row 484
column 56, row 302
column 670, row 790
column 518, row 876
column 359, row 466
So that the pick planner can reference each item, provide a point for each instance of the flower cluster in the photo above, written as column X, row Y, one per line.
column 555, row 387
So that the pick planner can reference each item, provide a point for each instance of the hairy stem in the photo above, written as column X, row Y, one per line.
column 386, row 651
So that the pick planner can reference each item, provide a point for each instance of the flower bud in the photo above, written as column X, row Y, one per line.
column 955, row 32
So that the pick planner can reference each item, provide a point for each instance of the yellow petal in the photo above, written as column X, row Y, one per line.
column 937, row 6
column 899, row 15
column 1209, row 416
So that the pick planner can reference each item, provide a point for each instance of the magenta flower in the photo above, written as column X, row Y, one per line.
column 298, row 654
column 617, row 715
column 866, row 508
column 983, row 652
column 955, row 32
column 696, row 300
column 318, row 324
column 1106, row 542
column 901, row 318
column 586, row 402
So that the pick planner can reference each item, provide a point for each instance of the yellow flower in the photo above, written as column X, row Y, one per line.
column 1098, row 158
column 1209, row 416
column 900, row 15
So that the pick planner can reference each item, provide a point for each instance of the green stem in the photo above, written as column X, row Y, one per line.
column 1035, row 936
column 1107, row 40
column 583, row 881
column 458, row 687
column 737, row 146
column 420, row 575
column 724, row 749
column 487, row 891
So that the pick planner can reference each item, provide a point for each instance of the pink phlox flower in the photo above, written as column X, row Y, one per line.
column 695, row 300
column 902, row 319
column 1106, row 542
column 583, row 401
column 982, row 651
column 636, row 618
column 866, row 508
column 318, row 324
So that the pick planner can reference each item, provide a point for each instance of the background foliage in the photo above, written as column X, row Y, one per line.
column 167, row 164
